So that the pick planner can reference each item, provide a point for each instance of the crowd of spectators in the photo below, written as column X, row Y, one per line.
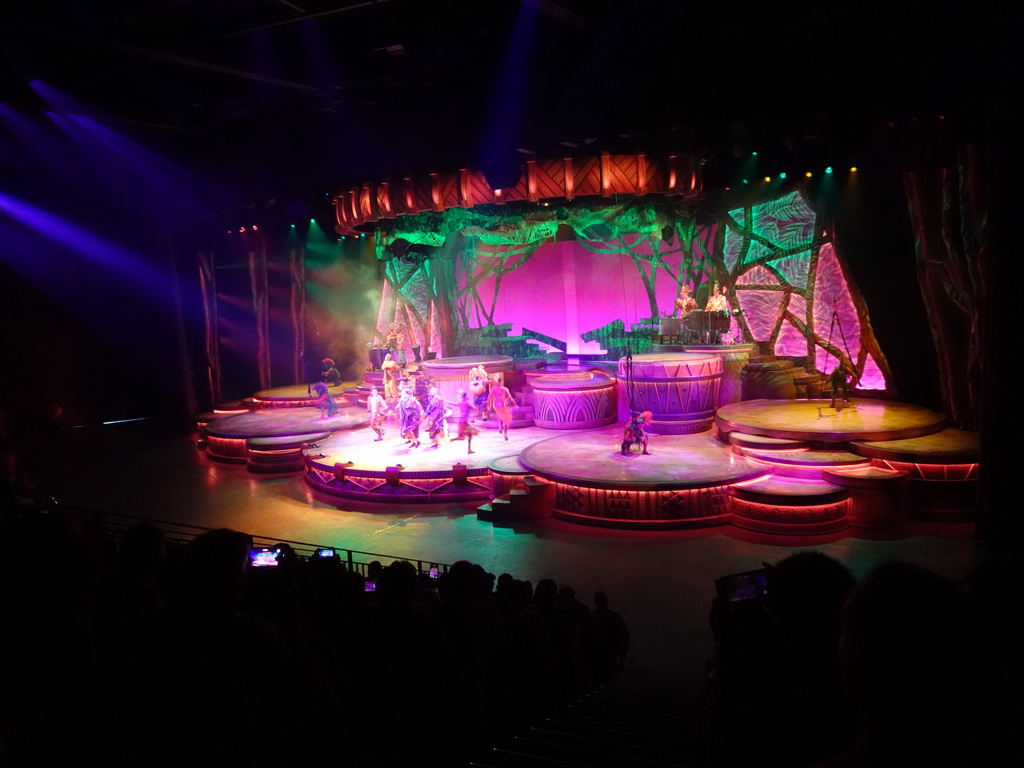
column 140, row 652
column 905, row 668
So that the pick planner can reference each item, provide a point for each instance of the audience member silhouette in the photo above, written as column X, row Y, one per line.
column 611, row 638
column 907, row 664
column 777, row 697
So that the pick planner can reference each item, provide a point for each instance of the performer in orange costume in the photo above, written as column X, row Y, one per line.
column 500, row 401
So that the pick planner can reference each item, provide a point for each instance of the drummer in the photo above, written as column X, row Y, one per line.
column 717, row 302
column 685, row 304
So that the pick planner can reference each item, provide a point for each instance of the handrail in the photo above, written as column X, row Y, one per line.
column 186, row 532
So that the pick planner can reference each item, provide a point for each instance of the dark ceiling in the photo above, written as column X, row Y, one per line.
column 281, row 94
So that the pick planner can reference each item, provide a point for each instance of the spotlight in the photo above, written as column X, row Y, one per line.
column 829, row 169
column 767, row 178
column 753, row 154
column 241, row 229
column 808, row 174
column 254, row 228
column 853, row 169
column 782, row 175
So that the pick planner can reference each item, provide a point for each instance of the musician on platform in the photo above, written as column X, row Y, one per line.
column 685, row 304
column 717, row 302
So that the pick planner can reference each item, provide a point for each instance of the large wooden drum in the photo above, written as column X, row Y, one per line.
column 680, row 389
column 574, row 400
column 450, row 374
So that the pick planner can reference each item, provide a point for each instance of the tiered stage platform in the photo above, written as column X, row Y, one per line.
column 771, row 466
column 273, row 440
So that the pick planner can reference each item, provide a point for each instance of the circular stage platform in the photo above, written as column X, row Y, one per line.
column 815, row 421
column 294, row 396
column 272, row 440
column 684, row 483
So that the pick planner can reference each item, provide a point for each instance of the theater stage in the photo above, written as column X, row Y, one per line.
column 773, row 466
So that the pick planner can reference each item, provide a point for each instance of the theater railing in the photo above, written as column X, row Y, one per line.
column 114, row 524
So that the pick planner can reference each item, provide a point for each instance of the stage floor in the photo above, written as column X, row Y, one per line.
column 284, row 422
column 814, row 420
column 593, row 459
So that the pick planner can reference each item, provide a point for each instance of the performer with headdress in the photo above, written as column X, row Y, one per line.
column 329, row 373
column 500, row 401
column 328, row 407
column 391, row 371
column 717, row 302
column 636, row 432
column 377, row 407
column 478, row 389
column 685, row 304
column 435, row 423
column 410, row 412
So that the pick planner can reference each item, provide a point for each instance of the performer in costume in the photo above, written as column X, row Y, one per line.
column 377, row 407
column 410, row 412
column 842, row 379
column 391, row 371
column 329, row 373
column 636, row 432
column 395, row 342
column 685, row 304
column 717, row 302
column 478, row 388
column 435, row 417
column 500, row 401
column 466, row 429
column 328, row 407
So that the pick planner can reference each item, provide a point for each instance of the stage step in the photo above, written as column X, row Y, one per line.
column 522, row 416
column 805, row 465
column 535, row 500
column 790, row 506
column 769, row 443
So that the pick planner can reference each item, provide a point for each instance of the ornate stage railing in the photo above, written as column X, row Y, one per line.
column 355, row 560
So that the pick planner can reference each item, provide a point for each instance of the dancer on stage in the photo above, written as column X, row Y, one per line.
column 685, row 304
column 410, row 412
column 328, row 407
column 435, row 417
column 636, row 432
column 391, row 370
column 377, row 407
column 466, row 429
column 478, row 388
column 500, row 401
